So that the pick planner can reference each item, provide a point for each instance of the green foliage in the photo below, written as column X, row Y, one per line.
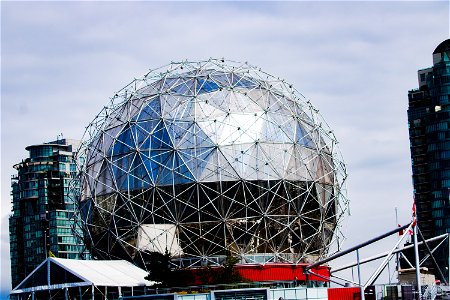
column 228, row 273
column 158, row 265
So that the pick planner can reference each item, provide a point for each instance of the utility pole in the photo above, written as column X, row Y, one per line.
column 397, row 257
column 361, row 288
column 416, row 254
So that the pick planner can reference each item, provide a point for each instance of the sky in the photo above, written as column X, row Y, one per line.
column 355, row 61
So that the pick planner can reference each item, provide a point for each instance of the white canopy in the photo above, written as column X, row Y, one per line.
column 57, row 273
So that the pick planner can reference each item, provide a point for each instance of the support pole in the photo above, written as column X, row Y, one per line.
column 397, row 255
column 416, row 254
column 361, row 288
column 432, row 257
column 432, row 251
column 387, row 259
column 389, row 273
column 407, row 260
column 327, row 278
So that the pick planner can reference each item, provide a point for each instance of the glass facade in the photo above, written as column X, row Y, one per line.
column 429, row 123
column 43, row 208
column 206, row 159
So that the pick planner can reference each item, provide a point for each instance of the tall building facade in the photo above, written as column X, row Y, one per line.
column 42, row 208
column 429, row 133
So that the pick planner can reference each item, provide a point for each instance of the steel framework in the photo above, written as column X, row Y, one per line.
column 207, row 159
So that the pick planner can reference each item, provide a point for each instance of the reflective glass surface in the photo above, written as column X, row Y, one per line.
column 203, row 159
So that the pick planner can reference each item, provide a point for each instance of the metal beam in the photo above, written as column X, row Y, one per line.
column 378, row 256
column 387, row 259
column 432, row 257
column 416, row 258
column 432, row 251
column 341, row 253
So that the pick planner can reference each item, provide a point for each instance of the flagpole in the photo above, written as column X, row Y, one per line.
column 416, row 251
column 416, row 254
column 397, row 258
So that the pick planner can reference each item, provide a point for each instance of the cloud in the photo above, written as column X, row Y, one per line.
column 61, row 61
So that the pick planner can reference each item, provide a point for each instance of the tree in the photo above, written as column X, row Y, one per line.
column 228, row 273
column 161, row 272
column 158, row 265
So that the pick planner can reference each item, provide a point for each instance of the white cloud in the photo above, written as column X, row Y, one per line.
column 354, row 60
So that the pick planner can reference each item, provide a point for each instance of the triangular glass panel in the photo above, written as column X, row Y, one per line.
column 177, row 107
column 163, row 158
column 182, row 174
column 206, row 86
column 161, row 138
column 185, row 88
column 218, row 168
column 195, row 137
column 177, row 131
column 239, row 81
column 302, row 136
column 173, row 170
column 152, row 111
column 138, row 175
column 220, row 78
column 124, row 143
column 169, row 83
column 196, row 159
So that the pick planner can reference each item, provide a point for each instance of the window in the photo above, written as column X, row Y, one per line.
column 422, row 77
column 438, row 213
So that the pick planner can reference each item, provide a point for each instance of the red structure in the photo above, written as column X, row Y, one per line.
column 353, row 293
column 266, row 272
column 281, row 272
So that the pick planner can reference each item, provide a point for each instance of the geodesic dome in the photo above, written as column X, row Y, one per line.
column 207, row 159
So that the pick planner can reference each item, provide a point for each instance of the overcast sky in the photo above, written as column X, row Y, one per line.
column 355, row 61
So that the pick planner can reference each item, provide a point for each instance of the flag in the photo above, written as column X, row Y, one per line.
column 400, row 233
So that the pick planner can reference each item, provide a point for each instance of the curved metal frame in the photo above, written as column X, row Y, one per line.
column 208, row 159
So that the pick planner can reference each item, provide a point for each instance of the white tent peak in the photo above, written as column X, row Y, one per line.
column 117, row 273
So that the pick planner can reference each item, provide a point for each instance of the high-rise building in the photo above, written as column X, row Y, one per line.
column 429, row 133
column 43, row 207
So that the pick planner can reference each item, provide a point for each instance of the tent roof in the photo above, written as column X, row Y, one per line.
column 105, row 272
column 83, row 272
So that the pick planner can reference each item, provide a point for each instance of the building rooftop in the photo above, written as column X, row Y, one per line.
column 443, row 47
